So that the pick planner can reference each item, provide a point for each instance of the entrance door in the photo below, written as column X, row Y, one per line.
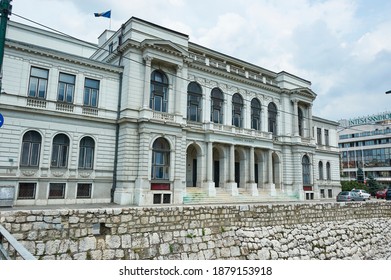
column 237, row 173
column 194, row 172
column 216, row 173
column 256, row 173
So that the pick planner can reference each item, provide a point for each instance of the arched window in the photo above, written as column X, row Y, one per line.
column 255, row 114
column 216, row 111
column 301, row 122
column 159, row 91
column 60, row 151
column 306, row 170
column 328, row 171
column 321, row 171
column 86, row 153
column 237, row 108
column 160, row 159
column 272, row 117
column 194, row 96
column 31, row 149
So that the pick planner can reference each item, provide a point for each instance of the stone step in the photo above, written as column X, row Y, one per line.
column 198, row 196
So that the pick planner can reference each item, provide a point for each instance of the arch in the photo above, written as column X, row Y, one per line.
column 31, row 149
column 306, row 170
column 159, row 91
column 272, row 118
column 160, row 159
column 194, row 96
column 328, row 171
column 237, row 110
column 86, row 152
column 60, row 151
column 194, row 165
column 256, row 110
column 320, row 166
column 217, row 101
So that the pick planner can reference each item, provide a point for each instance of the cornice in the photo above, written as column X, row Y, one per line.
column 61, row 56
column 235, row 77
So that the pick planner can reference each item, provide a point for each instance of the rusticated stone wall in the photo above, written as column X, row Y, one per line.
column 262, row 231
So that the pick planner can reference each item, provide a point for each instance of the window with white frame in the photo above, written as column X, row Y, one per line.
column 272, row 118
column 306, row 165
column 255, row 114
column 66, row 88
column 321, row 177
column 84, row 190
column 91, row 92
column 86, row 153
column 38, row 82
column 56, row 190
column 160, row 159
column 27, row 190
column 159, row 92
column 194, row 96
column 60, row 151
column 31, row 149
column 237, row 109
column 217, row 101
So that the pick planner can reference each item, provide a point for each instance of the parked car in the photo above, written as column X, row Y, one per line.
column 362, row 193
column 381, row 194
column 388, row 194
column 349, row 196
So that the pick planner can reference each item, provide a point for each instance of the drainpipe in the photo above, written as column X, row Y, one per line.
column 114, row 186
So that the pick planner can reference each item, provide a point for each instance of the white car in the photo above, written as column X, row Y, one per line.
column 363, row 193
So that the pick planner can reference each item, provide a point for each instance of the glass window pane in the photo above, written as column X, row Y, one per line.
column 33, row 87
column 55, row 156
column 35, row 154
column 42, row 88
column 87, row 97
column 61, row 92
column 69, row 93
column 25, row 154
column 41, row 73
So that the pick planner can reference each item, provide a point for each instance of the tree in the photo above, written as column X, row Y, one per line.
column 360, row 176
column 349, row 185
column 372, row 185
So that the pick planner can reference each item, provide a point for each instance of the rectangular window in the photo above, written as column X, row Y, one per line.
column 326, row 137
column 330, row 193
column 84, row 190
column 27, row 190
column 91, row 93
column 322, row 194
column 38, row 83
column 66, row 88
column 159, row 198
column 56, row 190
column 319, row 136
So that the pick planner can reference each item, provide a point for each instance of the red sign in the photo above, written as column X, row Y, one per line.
column 307, row 188
column 160, row 186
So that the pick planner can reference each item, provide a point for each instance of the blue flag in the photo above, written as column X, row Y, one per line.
column 104, row 14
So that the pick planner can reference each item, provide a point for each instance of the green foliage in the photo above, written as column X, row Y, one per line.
column 360, row 176
column 349, row 185
column 373, row 185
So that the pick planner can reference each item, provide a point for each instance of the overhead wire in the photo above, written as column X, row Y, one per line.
column 154, row 68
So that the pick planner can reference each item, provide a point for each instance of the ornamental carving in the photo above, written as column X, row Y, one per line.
column 29, row 173
column 58, row 173
column 85, row 174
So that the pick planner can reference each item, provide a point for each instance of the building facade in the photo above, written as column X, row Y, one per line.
column 365, row 143
column 147, row 117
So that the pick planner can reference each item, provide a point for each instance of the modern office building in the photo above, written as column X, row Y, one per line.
column 147, row 117
column 365, row 143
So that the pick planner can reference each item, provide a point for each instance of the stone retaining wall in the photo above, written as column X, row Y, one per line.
column 263, row 231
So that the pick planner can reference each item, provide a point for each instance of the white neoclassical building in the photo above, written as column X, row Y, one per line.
column 147, row 117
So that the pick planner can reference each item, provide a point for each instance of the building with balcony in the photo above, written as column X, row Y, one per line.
column 148, row 117
column 365, row 143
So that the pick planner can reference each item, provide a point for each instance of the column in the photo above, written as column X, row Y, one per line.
column 209, row 185
column 296, row 117
column 209, row 162
column 310, row 121
column 178, row 90
column 147, row 81
column 270, row 167
column 232, row 163
column 251, row 185
column 251, row 167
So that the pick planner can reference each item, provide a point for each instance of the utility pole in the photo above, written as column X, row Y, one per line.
column 5, row 10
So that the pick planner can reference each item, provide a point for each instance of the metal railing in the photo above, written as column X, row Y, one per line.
column 10, row 248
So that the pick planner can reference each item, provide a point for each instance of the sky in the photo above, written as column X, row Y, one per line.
column 342, row 46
